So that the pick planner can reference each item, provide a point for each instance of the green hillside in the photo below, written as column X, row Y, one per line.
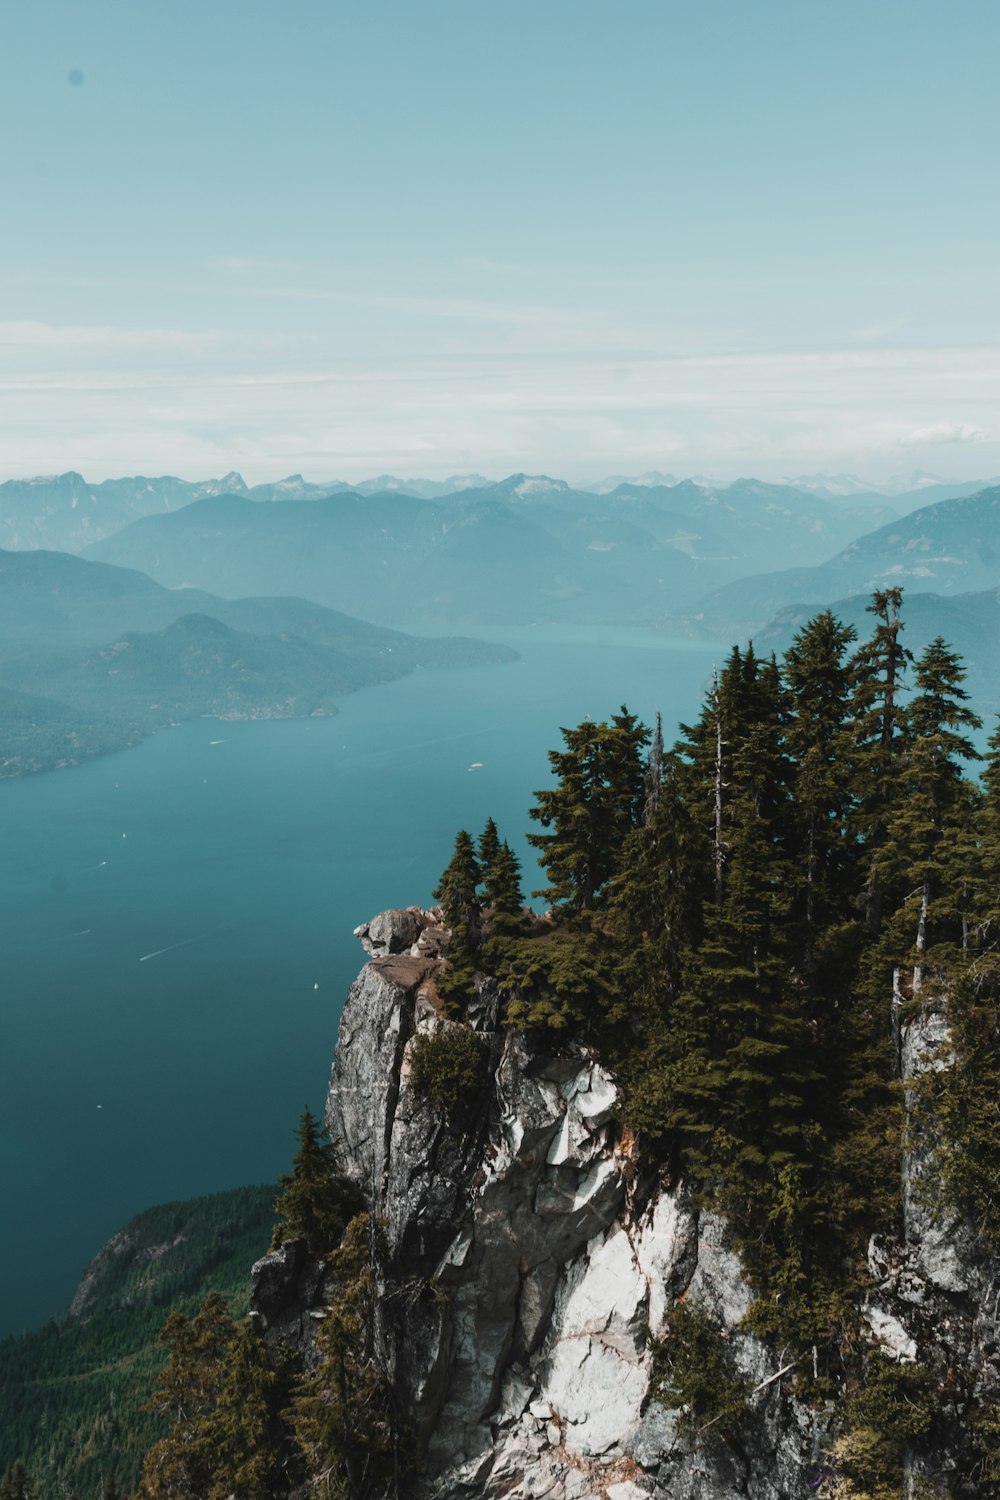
column 72, row 1393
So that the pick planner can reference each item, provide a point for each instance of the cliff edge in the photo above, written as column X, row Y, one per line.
column 545, row 1258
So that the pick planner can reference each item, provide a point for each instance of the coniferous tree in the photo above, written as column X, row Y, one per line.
column 243, row 1432
column 929, row 842
column 597, row 801
column 502, row 884
column 489, row 845
column 316, row 1200
column 341, row 1410
column 181, row 1465
column 879, row 732
column 818, row 743
column 457, row 895
column 16, row 1485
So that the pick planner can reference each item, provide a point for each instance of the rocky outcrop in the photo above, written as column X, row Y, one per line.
column 542, row 1260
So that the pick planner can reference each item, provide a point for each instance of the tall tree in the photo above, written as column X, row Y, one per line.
column 316, row 1200
column 457, row 895
column 597, row 800
column 879, row 728
column 181, row 1465
column 930, row 828
column 341, row 1410
column 818, row 678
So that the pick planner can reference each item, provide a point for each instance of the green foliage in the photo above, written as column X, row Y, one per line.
column 73, row 1394
column 449, row 1070
column 562, row 981
column 342, row 1411
column 598, row 799
column 893, row 1407
column 695, row 1374
column 316, row 1200
column 457, row 895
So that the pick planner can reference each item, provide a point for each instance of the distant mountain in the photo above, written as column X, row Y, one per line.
column 64, row 512
column 528, row 548
column 949, row 548
column 424, row 489
column 94, row 657
column 294, row 487
column 903, row 493
column 652, row 477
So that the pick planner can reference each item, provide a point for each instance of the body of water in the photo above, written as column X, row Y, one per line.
column 176, row 923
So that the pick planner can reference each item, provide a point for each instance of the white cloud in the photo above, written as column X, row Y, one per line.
column 939, row 433
column 362, row 396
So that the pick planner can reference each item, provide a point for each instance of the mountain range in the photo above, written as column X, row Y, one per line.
column 66, row 512
column 527, row 549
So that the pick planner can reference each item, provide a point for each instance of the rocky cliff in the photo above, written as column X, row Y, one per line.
column 547, row 1258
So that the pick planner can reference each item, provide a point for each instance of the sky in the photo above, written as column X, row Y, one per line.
column 343, row 237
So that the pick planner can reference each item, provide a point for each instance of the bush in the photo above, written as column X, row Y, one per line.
column 449, row 1070
column 695, row 1373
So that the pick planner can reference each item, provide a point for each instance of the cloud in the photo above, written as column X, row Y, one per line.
column 941, row 433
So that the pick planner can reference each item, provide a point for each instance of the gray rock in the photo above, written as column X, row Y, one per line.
column 544, row 1266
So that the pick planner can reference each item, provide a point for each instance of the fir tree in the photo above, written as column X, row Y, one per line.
column 489, row 845
column 316, row 1200
column 457, row 895
column 243, row 1432
column 878, row 727
column 15, row 1484
column 818, row 744
column 597, row 801
column 181, row 1465
column 502, row 883
column 341, row 1410
column 929, row 839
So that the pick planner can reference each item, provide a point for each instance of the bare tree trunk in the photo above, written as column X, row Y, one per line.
column 921, row 943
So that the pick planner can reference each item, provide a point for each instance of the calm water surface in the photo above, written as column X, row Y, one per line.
column 176, row 920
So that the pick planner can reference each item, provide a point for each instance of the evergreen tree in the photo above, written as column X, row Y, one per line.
column 502, row 883
column 929, row 841
column 316, row 1200
column 818, row 744
column 489, row 845
column 243, row 1432
column 878, row 726
column 341, row 1410
column 457, row 896
column 181, row 1465
column 597, row 801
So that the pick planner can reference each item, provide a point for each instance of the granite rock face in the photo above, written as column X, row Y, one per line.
column 550, row 1258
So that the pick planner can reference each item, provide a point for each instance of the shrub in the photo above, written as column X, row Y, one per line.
column 695, row 1373
column 449, row 1070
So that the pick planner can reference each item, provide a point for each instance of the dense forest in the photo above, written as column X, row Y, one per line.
column 739, row 926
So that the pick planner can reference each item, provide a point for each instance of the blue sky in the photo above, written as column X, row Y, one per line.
column 568, row 236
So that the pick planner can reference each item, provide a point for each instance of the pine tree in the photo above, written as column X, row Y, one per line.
column 341, row 1410
column 457, row 895
column 878, row 726
column 930, row 828
column 502, row 883
column 316, row 1200
column 489, row 845
column 818, row 744
column 597, row 801
column 243, row 1431
column 181, row 1465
